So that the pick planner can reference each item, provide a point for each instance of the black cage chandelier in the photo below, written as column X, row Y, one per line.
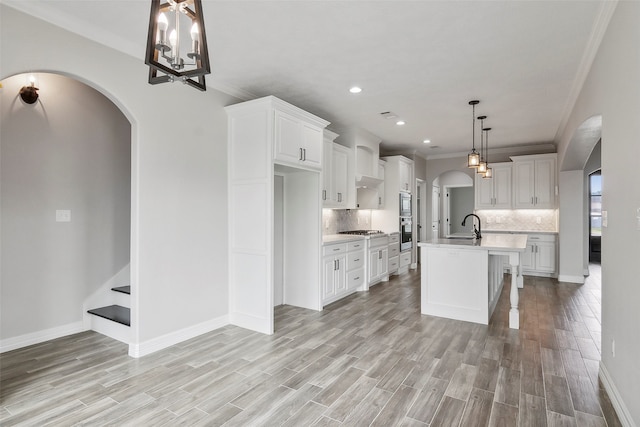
column 169, row 24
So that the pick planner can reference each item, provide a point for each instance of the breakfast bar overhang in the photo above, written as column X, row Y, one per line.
column 462, row 278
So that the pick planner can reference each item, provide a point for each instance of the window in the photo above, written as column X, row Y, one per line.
column 595, row 203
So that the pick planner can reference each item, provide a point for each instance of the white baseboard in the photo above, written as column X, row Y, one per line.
column 614, row 395
column 570, row 279
column 253, row 323
column 41, row 336
column 164, row 341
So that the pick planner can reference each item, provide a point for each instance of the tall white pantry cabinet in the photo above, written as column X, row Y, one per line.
column 268, row 136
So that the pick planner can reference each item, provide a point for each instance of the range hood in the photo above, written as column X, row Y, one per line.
column 365, row 181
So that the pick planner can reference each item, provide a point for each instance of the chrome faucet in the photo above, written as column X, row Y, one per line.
column 476, row 231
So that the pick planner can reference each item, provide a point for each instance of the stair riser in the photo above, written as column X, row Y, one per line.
column 110, row 328
column 119, row 298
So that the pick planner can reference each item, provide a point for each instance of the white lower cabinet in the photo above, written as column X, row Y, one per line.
column 378, row 264
column 540, row 257
column 405, row 261
column 342, row 269
column 394, row 252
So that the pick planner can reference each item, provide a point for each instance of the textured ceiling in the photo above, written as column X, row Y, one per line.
column 422, row 60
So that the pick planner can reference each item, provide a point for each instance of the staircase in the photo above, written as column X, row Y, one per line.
column 114, row 320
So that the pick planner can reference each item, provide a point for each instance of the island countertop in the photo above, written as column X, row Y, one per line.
column 489, row 241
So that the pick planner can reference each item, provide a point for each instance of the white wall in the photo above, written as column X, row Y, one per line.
column 571, row 211
column 179, row 178
column 71, row 150
column 612, row 89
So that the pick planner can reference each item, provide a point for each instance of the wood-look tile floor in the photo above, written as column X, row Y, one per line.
column 371, row 359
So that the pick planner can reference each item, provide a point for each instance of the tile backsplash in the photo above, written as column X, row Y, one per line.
column 519, row 219
column 336, row 220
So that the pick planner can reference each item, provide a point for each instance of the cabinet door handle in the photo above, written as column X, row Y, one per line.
column 379, row 200
column 356, row 260
column 336, row 249
column 356, row 278
column 300, row 154
column 334, row 265
column 379, row 254
column 356, row 245
column 338, row 261
column 304, row 154
column 339, row 197
column 532, row 201
column 536, row 200
column 324, row 194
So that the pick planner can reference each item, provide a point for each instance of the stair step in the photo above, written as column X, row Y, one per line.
column 123, row 289
column 116, row 313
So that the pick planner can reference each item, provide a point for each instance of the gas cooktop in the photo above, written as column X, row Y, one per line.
column 362, row 232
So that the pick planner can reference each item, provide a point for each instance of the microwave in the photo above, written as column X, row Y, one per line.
column 405, row 204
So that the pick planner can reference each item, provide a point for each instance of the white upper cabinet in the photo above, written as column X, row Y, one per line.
column 494, row 193
column 340, row 168
column 405, row 168
column 534, row 181
column 338, row 183
column 381, row 172
column 297, row 141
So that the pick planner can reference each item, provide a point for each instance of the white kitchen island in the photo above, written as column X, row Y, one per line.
column 462, row 278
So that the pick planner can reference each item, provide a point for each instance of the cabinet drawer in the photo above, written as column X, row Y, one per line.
column 355, row 260
column 394, row 250
column 535, row 238
column 405, row 258
column 394, row 238
column 355, row 278
column 334, row 249
column 356, row 246
column 394, row 264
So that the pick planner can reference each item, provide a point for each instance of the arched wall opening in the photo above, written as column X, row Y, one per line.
column 452, row 196
column 574, row 200
column 67, row 205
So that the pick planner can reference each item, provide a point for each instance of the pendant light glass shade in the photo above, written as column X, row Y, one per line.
column 473, row 159
column 171, row 23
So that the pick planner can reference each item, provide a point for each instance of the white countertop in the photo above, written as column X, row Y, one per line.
column 491, row 241
column 340, row 238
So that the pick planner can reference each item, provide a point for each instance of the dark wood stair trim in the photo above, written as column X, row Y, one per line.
column 123, row 289
column 115, row 313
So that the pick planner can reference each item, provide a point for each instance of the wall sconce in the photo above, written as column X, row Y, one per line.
column 29, row 94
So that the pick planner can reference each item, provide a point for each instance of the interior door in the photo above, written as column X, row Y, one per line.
column 435, row 212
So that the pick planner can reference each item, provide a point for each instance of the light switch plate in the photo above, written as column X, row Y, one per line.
column 605, row 220
column 63, row 215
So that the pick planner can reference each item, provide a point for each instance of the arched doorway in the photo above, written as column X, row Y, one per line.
column 452, row 196
column 66, row 204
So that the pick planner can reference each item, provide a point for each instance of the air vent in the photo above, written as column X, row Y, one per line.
column 389, row 115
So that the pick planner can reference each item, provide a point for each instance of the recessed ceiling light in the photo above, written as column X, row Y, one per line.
column 400, row 122
column 427, row 141
column 355, row 89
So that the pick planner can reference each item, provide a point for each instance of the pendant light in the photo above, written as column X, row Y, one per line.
column 163, row 55
column 473, row 159
column 482, row 165
column 489, row 172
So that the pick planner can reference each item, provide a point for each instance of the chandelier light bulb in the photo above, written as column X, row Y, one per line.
column 173, row 38
column 163, row 23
